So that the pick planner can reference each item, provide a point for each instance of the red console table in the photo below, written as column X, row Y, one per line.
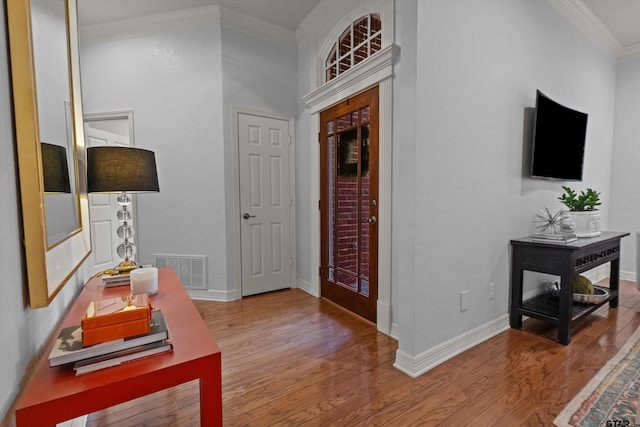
column 55, row 394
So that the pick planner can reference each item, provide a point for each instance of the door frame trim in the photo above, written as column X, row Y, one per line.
column 112, row 115
column 377, row 70
column 235, row 173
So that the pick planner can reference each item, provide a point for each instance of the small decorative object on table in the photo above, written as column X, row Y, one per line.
column 114, row 318
column 582, row 209
column 553, row 228
column 584, row 292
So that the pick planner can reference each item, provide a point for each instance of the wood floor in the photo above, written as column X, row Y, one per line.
column 290, row 359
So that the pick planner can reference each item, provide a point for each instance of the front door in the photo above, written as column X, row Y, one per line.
column 265, row 203
column 349, row 202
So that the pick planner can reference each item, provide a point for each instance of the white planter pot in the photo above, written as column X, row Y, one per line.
column 587, row 223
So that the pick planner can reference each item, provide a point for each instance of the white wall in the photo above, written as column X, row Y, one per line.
column 404, row 172
column 465, row 78
column 477, row 72
column 172, row 82
column 24, row 331
column 182, row 85
column 625, row 171
column 257, row 75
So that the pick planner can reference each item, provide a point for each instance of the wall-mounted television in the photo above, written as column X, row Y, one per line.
column 558, row 140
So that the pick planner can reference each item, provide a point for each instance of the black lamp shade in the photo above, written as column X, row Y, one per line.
column 118, row 169
column 55, row 169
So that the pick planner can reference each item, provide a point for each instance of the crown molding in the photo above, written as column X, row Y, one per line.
column 581, row 17
column 187, row 18
column 629, row 53
column 255, row 27
column 136, row 27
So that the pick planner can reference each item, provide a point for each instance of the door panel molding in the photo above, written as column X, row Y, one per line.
column 287, row 201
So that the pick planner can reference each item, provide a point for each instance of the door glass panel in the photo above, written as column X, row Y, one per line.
column 347, row 207
column 348, row 280
column 364, row 209
column 331, row 206
column 349, row 201
column 347, row 121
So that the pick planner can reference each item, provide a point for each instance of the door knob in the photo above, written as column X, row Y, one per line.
column 373, row 220
column 247, row 216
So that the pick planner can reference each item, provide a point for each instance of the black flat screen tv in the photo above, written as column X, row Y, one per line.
column 558, row 141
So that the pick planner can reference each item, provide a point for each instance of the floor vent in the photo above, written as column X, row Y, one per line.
column 191, row 269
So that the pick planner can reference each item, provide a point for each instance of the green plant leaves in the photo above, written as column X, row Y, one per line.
column 585, row 201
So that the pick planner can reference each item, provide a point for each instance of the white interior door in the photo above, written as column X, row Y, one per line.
column 103, row 208
column 265, row 203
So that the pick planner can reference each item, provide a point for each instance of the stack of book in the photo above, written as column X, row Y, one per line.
column 69, row 347
column 118, row 279
column 555, row 238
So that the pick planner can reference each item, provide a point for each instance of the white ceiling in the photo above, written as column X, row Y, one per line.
column 620, row 17
column 612, row 24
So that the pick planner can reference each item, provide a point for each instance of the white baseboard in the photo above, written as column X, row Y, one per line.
column 628, row 275
column 395, row 331
column 306, row 286
column 414, row 366
column 212, row 295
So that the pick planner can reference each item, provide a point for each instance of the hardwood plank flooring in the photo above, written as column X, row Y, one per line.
column 290, row 359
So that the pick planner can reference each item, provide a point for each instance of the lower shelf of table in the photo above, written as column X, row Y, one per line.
column 547, row 307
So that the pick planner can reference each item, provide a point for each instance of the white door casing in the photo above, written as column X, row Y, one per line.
column 103, row 209
column 265, row 203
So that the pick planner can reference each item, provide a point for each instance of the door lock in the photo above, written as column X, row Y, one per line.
column 247, row 216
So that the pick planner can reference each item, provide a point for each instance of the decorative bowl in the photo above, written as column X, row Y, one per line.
column 600, row 294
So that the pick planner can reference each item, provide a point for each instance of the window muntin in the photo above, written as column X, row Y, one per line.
column 361, row 40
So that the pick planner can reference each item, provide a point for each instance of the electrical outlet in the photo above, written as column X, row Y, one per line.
column 464, row 300
column 492, row 290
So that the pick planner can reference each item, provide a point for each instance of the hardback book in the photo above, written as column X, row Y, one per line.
column 122, row 356
column 111, row 280
column 68, row 346
column 558, row 238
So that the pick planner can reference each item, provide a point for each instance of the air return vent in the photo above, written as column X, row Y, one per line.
column 191, row 269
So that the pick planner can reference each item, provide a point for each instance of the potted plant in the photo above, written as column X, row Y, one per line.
column 582, row 209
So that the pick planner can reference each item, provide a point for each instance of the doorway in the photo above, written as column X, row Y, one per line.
column 349, row 203
column 265, row 183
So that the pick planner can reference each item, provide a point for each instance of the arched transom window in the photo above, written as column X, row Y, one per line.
column 362, row 39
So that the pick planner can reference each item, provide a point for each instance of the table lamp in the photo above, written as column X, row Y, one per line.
column 122, row 170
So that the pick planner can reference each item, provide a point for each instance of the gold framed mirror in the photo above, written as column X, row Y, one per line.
column 45, row 67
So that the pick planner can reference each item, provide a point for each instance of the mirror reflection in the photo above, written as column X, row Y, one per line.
column 51, row 64
column 58, row 197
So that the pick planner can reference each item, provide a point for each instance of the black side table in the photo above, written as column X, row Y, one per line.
column 566, row 260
